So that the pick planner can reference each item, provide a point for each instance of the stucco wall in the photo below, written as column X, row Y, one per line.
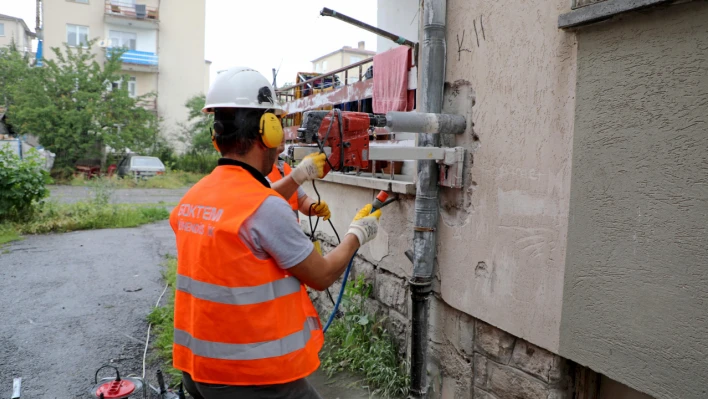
column 15, row 32
column 502, row 238
column 181, row 46
column 636, row 283
column 57, row 14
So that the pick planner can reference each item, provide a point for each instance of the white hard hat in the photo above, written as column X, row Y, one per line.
column 241, row 87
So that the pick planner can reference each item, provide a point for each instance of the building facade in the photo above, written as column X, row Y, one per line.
column 343, row 57
column 164, row 41
column 572, row 263
column 15, row 30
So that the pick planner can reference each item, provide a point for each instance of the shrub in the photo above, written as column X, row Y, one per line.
column 22, row 184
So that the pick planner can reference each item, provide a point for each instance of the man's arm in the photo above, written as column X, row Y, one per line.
column 285, row 186
column 320, row 272
column 310, row 168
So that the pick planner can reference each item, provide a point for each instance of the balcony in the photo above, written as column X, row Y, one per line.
column 138, row 16
column 137, row 61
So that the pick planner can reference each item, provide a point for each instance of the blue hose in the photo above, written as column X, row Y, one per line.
column 341, row 293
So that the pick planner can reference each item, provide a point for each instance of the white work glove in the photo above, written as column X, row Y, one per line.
column 311, row 168
column 365, row 224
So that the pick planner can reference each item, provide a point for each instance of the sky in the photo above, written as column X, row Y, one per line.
column 264, row 34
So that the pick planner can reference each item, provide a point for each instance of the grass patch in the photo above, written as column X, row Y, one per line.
column 53, row 217
column 359, row 343
column 170, row 180
column 162, row 320
column 8, row 234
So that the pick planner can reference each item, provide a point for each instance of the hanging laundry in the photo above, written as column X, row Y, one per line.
column 391, row 80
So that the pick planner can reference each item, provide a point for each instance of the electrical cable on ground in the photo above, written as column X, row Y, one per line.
column 147, row 339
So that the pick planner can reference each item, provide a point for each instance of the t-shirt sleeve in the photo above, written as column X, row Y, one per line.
column 301, row 193
column 273, row 232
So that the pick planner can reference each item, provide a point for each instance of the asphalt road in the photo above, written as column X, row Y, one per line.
column 73, row 302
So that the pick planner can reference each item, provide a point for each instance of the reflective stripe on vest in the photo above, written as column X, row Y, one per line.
column 260, row 350
column 239, row 319
column 238, row 295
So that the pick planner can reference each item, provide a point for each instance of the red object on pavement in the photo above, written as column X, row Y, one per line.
column 116, row 389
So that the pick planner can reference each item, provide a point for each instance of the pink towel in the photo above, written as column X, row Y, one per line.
column 391, row 80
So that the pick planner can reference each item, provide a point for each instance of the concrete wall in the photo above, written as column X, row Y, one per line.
column 502, row 238
column 182, row 66
column 635, row 285
column 399, row 17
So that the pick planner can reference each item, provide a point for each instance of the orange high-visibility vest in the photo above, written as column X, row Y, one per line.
column 239, row 320
column 275, row 175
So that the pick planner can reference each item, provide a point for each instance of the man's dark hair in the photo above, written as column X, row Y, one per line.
column 236, row 129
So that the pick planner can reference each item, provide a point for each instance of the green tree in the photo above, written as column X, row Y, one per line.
column 77, row 107
column 196, row 133
column 14, row 67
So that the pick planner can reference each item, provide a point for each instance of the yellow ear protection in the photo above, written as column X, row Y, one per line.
column 271, row 130
column 213, row 140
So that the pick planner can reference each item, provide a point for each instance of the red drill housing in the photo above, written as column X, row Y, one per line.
column 351, row 150
column 349, row 145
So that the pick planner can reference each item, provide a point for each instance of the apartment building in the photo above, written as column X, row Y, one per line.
column 15, row 30
column 572, row 263
column 343, row 57
column 164, row 41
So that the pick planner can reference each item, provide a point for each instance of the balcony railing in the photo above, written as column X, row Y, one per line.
column 136, row 57
column 131, row 10
column 325, row 81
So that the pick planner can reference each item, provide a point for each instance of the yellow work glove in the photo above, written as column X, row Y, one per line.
column 311, row 168
column 321, row 210
column 365, row 224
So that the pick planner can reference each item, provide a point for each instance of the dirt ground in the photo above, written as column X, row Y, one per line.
column 76, row 301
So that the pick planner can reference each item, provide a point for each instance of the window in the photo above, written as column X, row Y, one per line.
column 123, row 39
column 82, row 1
column 146, row 162
column 77, row 35
column 324, row 66
column 2, row 29
column 353, row 59
column 318, row 68
column 133, row 87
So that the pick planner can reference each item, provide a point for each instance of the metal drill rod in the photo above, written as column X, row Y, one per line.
column 326, row 12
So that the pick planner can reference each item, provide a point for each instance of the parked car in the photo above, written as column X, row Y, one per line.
column 140, row 166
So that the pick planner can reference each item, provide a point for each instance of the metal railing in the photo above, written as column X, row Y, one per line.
column 136, row 57
column 132, row 10
column 288, row 93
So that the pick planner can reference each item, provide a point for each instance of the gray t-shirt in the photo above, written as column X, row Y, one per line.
column 273, row 232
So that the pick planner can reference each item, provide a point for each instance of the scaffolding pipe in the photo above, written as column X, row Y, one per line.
column 433, row 57
column 327, row 12
column 419, row 122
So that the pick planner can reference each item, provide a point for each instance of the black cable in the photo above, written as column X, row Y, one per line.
column 95, row 377
column 312, row 230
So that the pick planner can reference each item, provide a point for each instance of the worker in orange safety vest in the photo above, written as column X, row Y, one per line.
column 300, row 201
column 244, row 326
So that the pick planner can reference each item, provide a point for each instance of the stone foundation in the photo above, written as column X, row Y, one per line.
column 467, row 358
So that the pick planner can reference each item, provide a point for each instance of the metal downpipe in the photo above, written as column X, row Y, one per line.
column 433, row 56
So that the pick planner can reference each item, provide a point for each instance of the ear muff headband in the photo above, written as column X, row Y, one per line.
column 271, row 130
